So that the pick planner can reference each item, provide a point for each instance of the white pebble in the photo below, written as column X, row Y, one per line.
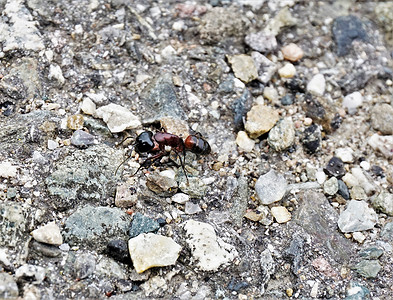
column 287, row 71
column 281, row 214
column 352, row 101
column 345, row 154
column 320, row 176
column 56, row 73
column 317, row 85
column 7, row 169
column 244, row 142
column 52, row 144
column 180, row 198
column 88, row 106
column 49, row 234
column 365, row 165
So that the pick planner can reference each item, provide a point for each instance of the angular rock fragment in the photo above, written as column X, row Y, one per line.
column 271, row 187
column 150, row 250
column 357, row 217
column 49, row 234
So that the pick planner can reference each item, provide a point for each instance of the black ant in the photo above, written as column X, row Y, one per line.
column 163, row 142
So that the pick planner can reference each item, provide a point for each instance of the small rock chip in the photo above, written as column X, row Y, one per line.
column 75, row 122
column 118, row 249
column 126, row 195
column 33, row 273
column 163, row 184
column 383, row 144
column 368, row 268
column 175, row 126
column 84, row 265
column 364, row 180
column 56, row 73
column 261, row 42
column 330, row 186
column 195, row 187
column 312, row 138
column 49, row 234
column 282, row 135
column 317, row 85
column 180, row 198
column 345, row 154
column 7, row 170
column 335, row 167
column 352, row 101
column 8, row 286
column 382, row 118
column 281, row 214
column 343, row 189
column 192, row 208
column 208, row 250
column 292, row 52
column 270, row 93
column 288, row 100
column 142, row 224
column 358, row 193
column 117, row 118
column 260, row 119
column 357, row 217
column 82, row 139
column 359, row 237
column 271, row 187
column 383, row 202
column 88, row 106
column 244, row 142
column 244, row 67
column 287, row 71
column 150, row 250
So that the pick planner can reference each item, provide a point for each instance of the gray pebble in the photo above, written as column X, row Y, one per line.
column 271, row 187
column 82, row 139
column 357, row 217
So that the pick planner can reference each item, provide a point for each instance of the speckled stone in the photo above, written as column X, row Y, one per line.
column 75, row 122
column 292, row 52
column 281, row 214
column 282, row 135
column 260, row 119
column 357, row 217
column 244, row 67
column 244, row 142
column 330, row 186
column 142, row 224
column 261, row 42
column 150, row 250
column 382, row 118
column 383, row 202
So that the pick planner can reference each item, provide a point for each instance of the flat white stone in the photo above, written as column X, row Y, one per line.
column 7, row 169
column 150, row 250
column 88, row 106
column 208, row 250
column 244, row 142
column 49, row 234
column 56, row 73
column 180, row 198
column 281, row 214
column 345, row 154
column 271, row 187
column 317, row 85
column 352, row 101
column 358, row 216
column 117, row 118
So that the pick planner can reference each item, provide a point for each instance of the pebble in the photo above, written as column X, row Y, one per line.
column 271, row 94
column 357, row 291
column 357, row 217
column 191, row 208
column 243, row 66
column 142, row 224
column 350, row 180
column 96, row 226
column 84, row 265
column 287, row 71
column 208, row 251
column 75, row 122
column 371, row 253
column 239, row 199
column 368, row 268
column 365, row 165
column 312, row 138
column 343, row 190
column 324, row 267
column 345, row 29
column 56, row 73
column 382, row 118
column 180, row 198
column 282, row 135
column 271, row 187
column 118, row 249
column 260, row 119
column 34, row 273
column 281, row 214
column 387, row 232
column 126, row 195
column 383, row 202
column 8, row 287
column 345, row 154
column 383, row 144
column 7, row 170
column 358, row 193
column 317, row 85
column 244, row 142
column 320, row 176
column 82, row 139
column 266, row 68
column 364, row 180
column 117, row 118
column 330, row 186
column 359, row 237
column 49, row 234
column 163, row 184
column 88, row 106
column 109, row 268
column 292, row 52
column 352, row 101
column 261, row 42
column 335, row 167
column 195, row 188
column 52, row 144
column 150, row 250
column 288, row 100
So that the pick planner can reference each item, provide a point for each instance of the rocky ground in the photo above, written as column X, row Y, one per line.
column 295, row 199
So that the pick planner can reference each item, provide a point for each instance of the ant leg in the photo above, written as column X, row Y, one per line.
column 128, row 137
column 117, row 169
column 183, row 163
column 154, row 158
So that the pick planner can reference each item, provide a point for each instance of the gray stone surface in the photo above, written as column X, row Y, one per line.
column 357, row 217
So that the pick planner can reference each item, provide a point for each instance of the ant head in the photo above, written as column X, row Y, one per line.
column 144, row 142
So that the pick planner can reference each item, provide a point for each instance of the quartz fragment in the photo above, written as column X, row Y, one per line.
column 150, row 250
column 357, row 217
column 243, row 66
column 292, row 52
column 49, row 234
column 271, row 187
column 260, row 119
column 117, row 118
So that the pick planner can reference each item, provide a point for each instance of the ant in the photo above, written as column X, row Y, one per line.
column 162, row 143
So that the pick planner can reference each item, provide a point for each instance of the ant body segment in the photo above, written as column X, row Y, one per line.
column 162, row 143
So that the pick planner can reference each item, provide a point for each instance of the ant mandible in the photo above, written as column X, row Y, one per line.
column 162, row 143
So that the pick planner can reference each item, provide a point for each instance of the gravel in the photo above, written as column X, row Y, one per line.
column 295, row 100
